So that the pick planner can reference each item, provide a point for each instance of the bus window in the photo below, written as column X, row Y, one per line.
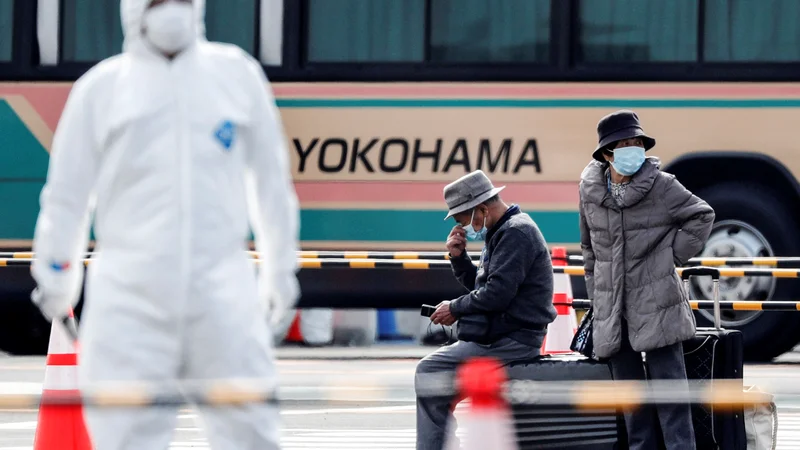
column 366, row 30
column 497, row 31
column 636, row 31
column 468, row 31
column 92, row 29
column 6, row 29
column 744, row 31
column 233, row 21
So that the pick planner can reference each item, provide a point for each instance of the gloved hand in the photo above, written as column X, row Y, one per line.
column 52, row 306
column 281, row 298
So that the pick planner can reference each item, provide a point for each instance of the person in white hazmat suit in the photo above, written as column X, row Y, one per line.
column 172, row 145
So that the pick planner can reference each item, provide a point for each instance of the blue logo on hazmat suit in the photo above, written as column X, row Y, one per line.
column 226, row 133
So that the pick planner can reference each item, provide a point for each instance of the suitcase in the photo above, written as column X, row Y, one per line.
column 714, row 354
column 564, row 427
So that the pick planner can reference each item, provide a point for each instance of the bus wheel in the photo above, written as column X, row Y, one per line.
column 751, row 221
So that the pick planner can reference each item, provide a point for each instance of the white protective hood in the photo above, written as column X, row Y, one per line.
column 132, row 12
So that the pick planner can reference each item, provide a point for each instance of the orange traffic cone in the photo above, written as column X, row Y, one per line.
column 488, row 423
column 295, row 335
column 61, row 427
column 560, row 332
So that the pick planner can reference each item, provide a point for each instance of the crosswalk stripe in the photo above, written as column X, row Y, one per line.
column 402, row 438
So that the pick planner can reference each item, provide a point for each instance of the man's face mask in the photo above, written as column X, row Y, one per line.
column 473, row 235
column 170, row 26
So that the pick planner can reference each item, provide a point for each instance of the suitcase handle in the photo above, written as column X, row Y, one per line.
column 703, row 271
column 700, row 271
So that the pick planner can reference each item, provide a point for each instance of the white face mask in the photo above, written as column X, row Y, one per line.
column 170, row 26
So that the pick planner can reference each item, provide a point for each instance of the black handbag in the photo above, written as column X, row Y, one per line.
column 475, row 328
column 583, row 342
column 486, row 328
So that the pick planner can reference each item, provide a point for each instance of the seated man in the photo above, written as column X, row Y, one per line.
column 510, row 303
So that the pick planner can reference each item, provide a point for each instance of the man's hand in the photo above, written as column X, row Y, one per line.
column 282, row 299
column 456, row 241
column 442, row 315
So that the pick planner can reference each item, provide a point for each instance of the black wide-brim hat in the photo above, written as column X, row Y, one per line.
column 619, row 125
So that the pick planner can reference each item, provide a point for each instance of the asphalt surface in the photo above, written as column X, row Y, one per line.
column 378, row 414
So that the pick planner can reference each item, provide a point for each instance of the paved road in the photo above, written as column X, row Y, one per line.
column 379, row 418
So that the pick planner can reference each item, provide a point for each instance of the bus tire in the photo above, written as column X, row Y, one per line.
column 769, row 334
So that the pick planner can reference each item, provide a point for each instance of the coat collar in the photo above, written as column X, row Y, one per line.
column 594, row 184
column 511, row 211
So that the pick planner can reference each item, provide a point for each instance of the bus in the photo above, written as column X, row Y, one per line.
column 386, row 101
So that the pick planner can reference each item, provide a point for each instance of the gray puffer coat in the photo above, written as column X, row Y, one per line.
column 630, row 254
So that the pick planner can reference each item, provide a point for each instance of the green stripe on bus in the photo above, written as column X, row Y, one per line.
column 19, row 208
column 413, row 226
column 22, row 156
column 537, row 103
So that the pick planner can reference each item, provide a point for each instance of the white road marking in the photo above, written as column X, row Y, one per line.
column 31, row 425
column 390, row 439
column 367, row 409
column 13, row 387
column 18, row 426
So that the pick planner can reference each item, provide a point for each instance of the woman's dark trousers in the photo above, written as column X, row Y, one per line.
column 665, row 363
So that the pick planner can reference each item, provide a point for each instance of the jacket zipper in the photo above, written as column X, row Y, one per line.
column 622, row 231
column 624, row 272
column 185, row 200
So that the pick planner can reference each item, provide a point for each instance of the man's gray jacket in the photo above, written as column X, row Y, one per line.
column 515, row 277
column 630, row 253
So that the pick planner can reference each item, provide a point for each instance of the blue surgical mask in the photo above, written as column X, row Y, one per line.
column 473, row 235
column 628, row 160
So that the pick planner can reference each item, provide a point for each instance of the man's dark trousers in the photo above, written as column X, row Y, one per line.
column 434, row 416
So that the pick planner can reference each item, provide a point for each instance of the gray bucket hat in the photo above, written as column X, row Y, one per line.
column 468, row 192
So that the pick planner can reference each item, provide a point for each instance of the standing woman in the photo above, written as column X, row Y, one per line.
column 637, row 224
